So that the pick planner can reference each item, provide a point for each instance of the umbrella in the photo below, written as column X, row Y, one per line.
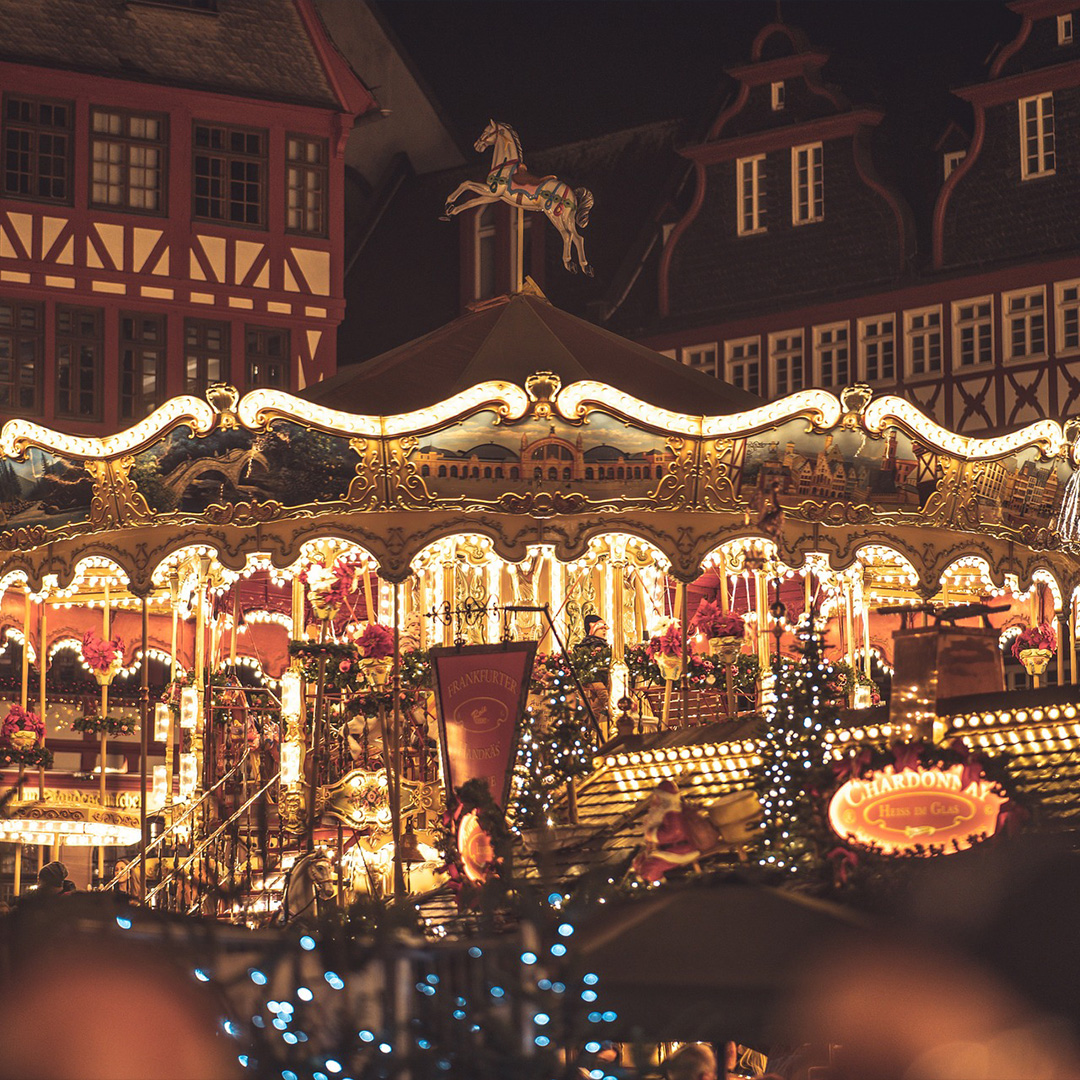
column 710, row 962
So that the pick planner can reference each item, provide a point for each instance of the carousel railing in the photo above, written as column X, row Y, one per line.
column 178, row 827
column 202, row 872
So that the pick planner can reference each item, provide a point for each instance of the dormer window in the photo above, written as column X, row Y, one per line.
column 777, row 96
column 952, row 161
column 1065, row 28
column 1037, row 136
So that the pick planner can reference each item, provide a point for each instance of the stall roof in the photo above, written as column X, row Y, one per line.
column 510, row 339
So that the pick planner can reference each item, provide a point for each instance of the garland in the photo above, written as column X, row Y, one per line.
column 35, row 757
column 103, row 725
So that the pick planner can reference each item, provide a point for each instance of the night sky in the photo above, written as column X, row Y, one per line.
column 562, row 70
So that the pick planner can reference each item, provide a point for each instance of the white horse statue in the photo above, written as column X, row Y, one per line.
column 310, row 889
column 566, row 208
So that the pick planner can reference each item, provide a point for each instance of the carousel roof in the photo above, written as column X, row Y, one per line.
column 510, row 339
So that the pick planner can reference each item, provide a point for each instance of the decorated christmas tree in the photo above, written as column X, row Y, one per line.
column 795, row 755
column 557, row 742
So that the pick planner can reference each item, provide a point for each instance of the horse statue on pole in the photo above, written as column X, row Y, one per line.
column 566, row 208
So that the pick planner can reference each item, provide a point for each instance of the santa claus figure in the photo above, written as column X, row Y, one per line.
column 669, row 834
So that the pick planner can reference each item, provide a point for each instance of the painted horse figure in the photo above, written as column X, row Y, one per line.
column 566, row 208
column 310, row 888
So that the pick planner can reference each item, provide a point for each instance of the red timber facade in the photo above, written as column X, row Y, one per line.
column 171, row 202
column 795, row 265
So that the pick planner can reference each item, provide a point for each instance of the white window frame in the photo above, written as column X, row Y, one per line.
column 923, row 325
column 875, row 339
column 1067, row 317
column 973, row 322
column 1037, row 152
column 748, row 190
column 775, row 355
column 1065, row 28
column 690, row 351
column 807, row 198
column 952, row 161
column 742, row 363
column 1031, row 314
column 832, row 346
column 778, row 96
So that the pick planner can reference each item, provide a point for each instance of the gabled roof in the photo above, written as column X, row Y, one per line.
column 273, row 49
column 509, row 340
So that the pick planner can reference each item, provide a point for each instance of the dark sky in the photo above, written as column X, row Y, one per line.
column 561, row 70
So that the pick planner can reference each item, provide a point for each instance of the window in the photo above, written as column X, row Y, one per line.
column 206, row 354
column 79, row 347
column 267, row 357
column 922, row 333
column 142, row 364
column 485, row 253
column 832, row 356
column 306, row 183
column 807, row 185
column 22, row 340
column 786, row 361
column 952, row 161
column 128, row 152
column 973, row 332
column 1068, row 317
column 750, row 196
column 37, row 148
column 526, row 245
column 1036, row 136
column 777, row 96
column 230, row 174
column 701, row 357
column 1065, row 28
column 1025, row 325
column 743, row 363
column 877, row 348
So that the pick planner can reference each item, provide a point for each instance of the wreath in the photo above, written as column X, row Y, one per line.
column 103, row 725
column 34, row 757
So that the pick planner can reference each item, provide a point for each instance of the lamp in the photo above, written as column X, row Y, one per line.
column 160, row 792
column 189, row 770
column 409, row 849
column 290, row 693
column 290, row 763
column 162, row 717
column 189, row 706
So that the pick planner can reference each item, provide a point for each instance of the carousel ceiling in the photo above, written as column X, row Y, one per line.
column 540, row 462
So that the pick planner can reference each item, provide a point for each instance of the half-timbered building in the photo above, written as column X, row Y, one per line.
column 171, row 202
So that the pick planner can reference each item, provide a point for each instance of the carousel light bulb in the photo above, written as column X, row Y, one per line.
column 290, row 763
column 160, row 791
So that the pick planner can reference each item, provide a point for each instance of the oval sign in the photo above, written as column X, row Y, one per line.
column 477, row 852
column 898, row 811
column 481, row 713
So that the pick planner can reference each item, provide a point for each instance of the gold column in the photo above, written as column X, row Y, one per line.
column 449, row 599
column 104, row 712
column 26, row 650
column 1072, row 639
column 174, row 600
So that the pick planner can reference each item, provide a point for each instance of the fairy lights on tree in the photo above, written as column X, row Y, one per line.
column 805, row 709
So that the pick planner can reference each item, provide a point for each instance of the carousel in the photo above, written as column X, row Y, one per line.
column 218, row 624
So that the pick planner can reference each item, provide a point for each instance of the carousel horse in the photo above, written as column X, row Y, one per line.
column 310, row 885
column 566, row 208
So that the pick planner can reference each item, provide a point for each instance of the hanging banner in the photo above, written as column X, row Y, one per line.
column 480, row 694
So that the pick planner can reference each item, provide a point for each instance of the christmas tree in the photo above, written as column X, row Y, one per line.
column 793, row 756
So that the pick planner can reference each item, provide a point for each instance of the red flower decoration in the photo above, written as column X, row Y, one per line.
column 713, row 621
column 99, row 654
column 376, row 642
column 1042, row 636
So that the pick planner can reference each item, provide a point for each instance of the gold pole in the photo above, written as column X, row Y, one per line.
column 104, row 735
column 18, row 869
column 394, row 755
column 849, row 634
column 174, row 600
column 43, row 653
column 1072, row 640
column 722, row 570
column 519, row 258
column 1062, row 630
column 144, row 739
column 26, row 651
column 449, row 600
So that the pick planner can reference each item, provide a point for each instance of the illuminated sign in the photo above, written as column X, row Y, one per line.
column 896, row 811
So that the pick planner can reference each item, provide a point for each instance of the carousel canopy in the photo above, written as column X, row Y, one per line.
column 509, row 340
